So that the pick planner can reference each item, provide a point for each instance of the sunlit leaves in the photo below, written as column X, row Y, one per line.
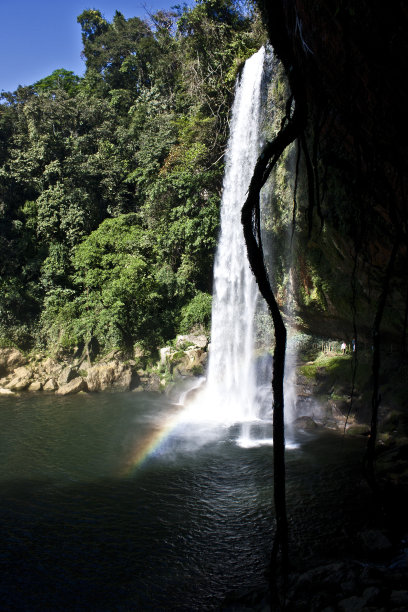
column 114, row 270
column 110, row 184
column 59, row 79
column 120, row 50
column 64, row 215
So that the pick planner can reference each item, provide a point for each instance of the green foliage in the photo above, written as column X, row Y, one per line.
column 64, row 214
column 59, row 79
column 197, row 313
column 92, row 25
column 110, row 184
column 331, row 363
column 121, row 51
column 119, row 289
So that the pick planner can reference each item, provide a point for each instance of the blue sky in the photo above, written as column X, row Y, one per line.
column 39, row 36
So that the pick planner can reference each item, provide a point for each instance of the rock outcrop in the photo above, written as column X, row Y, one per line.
column 112, row 373
column 10, row 358
column 352, row 173
column 66, row 375
column 188, row 356
column 74, row 386
column 192, row 340
column 22, row 377
column 50, row 385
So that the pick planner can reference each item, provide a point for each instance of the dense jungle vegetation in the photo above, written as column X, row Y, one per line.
column 110, row 184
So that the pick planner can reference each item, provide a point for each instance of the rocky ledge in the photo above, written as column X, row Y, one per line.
column 113, row 372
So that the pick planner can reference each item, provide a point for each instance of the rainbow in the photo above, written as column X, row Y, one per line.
column 147, row 447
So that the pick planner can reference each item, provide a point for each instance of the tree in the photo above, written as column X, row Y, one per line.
column 120, row 51
column 92, row 25
column 120, row 294
column 59, row 79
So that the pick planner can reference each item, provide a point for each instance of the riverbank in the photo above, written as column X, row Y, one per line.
column 34, row 373
column 332, row 388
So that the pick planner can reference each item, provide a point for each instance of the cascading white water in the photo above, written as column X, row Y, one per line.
column 236, row 391
column 231, row 376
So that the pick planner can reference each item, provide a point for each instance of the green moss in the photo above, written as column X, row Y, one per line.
column 335, row 372
column 338, row 398
column 308, row 370
column 330, row 363
column 197, row 370
column 6, row 343
column 357, row 430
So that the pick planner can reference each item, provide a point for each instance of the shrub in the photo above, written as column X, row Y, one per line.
column 197, row 313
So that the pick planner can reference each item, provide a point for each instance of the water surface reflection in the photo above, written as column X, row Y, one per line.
column 100, row 510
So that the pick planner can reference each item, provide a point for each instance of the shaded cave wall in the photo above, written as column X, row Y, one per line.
column 345, row 64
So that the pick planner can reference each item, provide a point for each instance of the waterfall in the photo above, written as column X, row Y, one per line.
column 238, row 387
column 231, row 375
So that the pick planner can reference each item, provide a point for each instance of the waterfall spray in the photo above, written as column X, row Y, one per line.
column 231, row 375
column 238, row 386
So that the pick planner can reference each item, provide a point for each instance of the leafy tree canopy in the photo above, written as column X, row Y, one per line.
column 110, row 184
column 59, row 79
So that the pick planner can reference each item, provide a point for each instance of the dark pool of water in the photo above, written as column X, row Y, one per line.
column 109, row 503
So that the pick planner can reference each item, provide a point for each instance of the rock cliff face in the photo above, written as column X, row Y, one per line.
column 345, row 66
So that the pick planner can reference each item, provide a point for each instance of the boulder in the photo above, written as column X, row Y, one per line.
column 152, row 383
column 4, row 391
column 35, row 386
column 100, row 377
column 114, row 375
column 165, row 353
column 20, row 380
column 67, row 374
column 74, row 386
column 51, row 367
column 18, row 384
column 191, row 361
column 123, row 380
column 50, row 385
column 306, row 423
column 374, row 542
column 10, row 358
column 22, row 372
column 199, row 340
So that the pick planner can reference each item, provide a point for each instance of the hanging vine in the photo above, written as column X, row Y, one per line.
column 291, row 127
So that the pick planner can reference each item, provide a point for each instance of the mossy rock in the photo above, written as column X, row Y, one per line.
column 358, row 429
column 306, row 423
